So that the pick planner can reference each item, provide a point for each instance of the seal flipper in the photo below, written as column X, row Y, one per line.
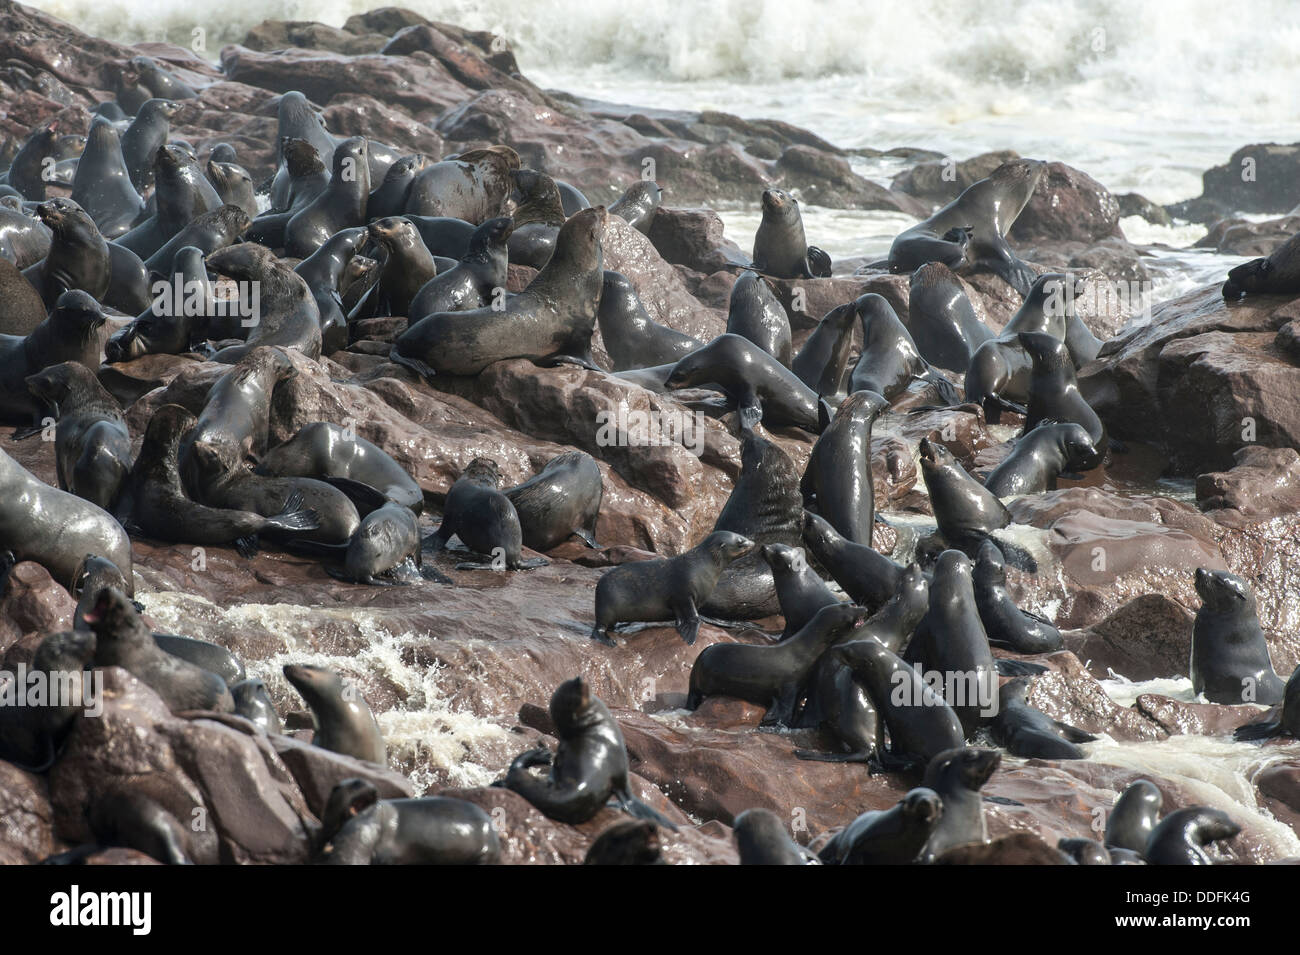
column 364, row 496
column 819, row 263
column 1252, row 731
column 1073, row 733
column 688, row 620
column 862, row 756
column 1018, row 667
column 635, row 807
column 1036, row 744
column 429, row 572
column 600, row 635
column 247, row 547
column 417, row 366
column 781, row 710
column 293, row 516
column 588, row 537
column 1015, row 555
column 946, row 390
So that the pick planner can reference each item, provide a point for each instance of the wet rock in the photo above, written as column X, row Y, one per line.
column 317, row 771
column 1263, row 482
column 26, row 819
column 278, row 34
column 1070, row 694
column 1135, row 204
column 1261, row 177
column 1067, row 205
column 693, row 238
column 1021, row 848
column 1147, row 638
column 1236, row 236
column 939, row 181
column 34, row 602
column 249, row 807
column 1196, row 719
column 1199, row 352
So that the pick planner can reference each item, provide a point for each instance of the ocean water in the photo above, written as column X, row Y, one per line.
column 1142, row 97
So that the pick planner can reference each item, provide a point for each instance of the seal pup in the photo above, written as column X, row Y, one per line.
column 537, row 219
column 966, row 512
column 123, row 640
column 1181, row 837
column 407, row 267
column 951, row 640
column 300, row 177
column 1084, row 851
column 92, row 448
column 837, row 703
column 181, row 194
column 1133, row 818
column 484, row 519
column 236, row 412
column 286, row 314
column 323, row 272
column 344, row 722
column 632, row 338
column 1024, row 731
column 920, row 722
column 210, row 232
column 761, row 386
column 476, row 278
column 780, row 248
column 634, row 842
column 57, row 529
column 560, row 501
column 552, row 319
column 73, row 332
column 340, row 205
column 330, row 452
column 824, row 357
column 670, row 588
column 141, row 141
column 799, row 590
column 253, row 703
column 637, row 205
column 359, row 828
column 27, row 170
column 389, row 197
column 761, row 839
column 589, row 766
column 941, row 319
column 1006, row 625
column 890, row 360
column 1040, row 456
column 972, row 229
column 93, row 574
column 102, row 184
column 1279, row 274
column 1054, row 390
column 957, row 775
column 30, row 736
column 163, row 329
column 771, row 675
column 154, row 503
column 867, row 576
column 1230, row 661
column 1284, row 723
column 386, row 538
column 894, row 836
column 838, row 477
column 755, row 313
column 764, row 506
column 234, row 186
column 79, row 257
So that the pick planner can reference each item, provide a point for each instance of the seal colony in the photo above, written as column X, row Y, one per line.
column 415, row 350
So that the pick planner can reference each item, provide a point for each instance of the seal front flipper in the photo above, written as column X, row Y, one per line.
column 688, row 619
column 600, row 635
column 946, row 390
column 247, row 547
column 1015, row 555
column 781, row 710
column 819, row 263
column 429, row 572
column 1018, row 668
column 587, row 537
column 1254, row 731
column 417, row 366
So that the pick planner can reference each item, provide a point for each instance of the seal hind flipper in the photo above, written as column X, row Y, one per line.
column 247, row 546
column 781, row 710
column 946, row 390
column 587, row 537
column 819, row 263
column 293, row 516
column 1001, row 800
column 1253, row 731
column 417, row 366
column 1073, row 733
column 429, row 572
column 862, row 756
column 635, row 807
column 1018, row 668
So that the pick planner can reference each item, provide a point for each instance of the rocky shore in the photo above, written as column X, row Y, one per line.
column 459, row 676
